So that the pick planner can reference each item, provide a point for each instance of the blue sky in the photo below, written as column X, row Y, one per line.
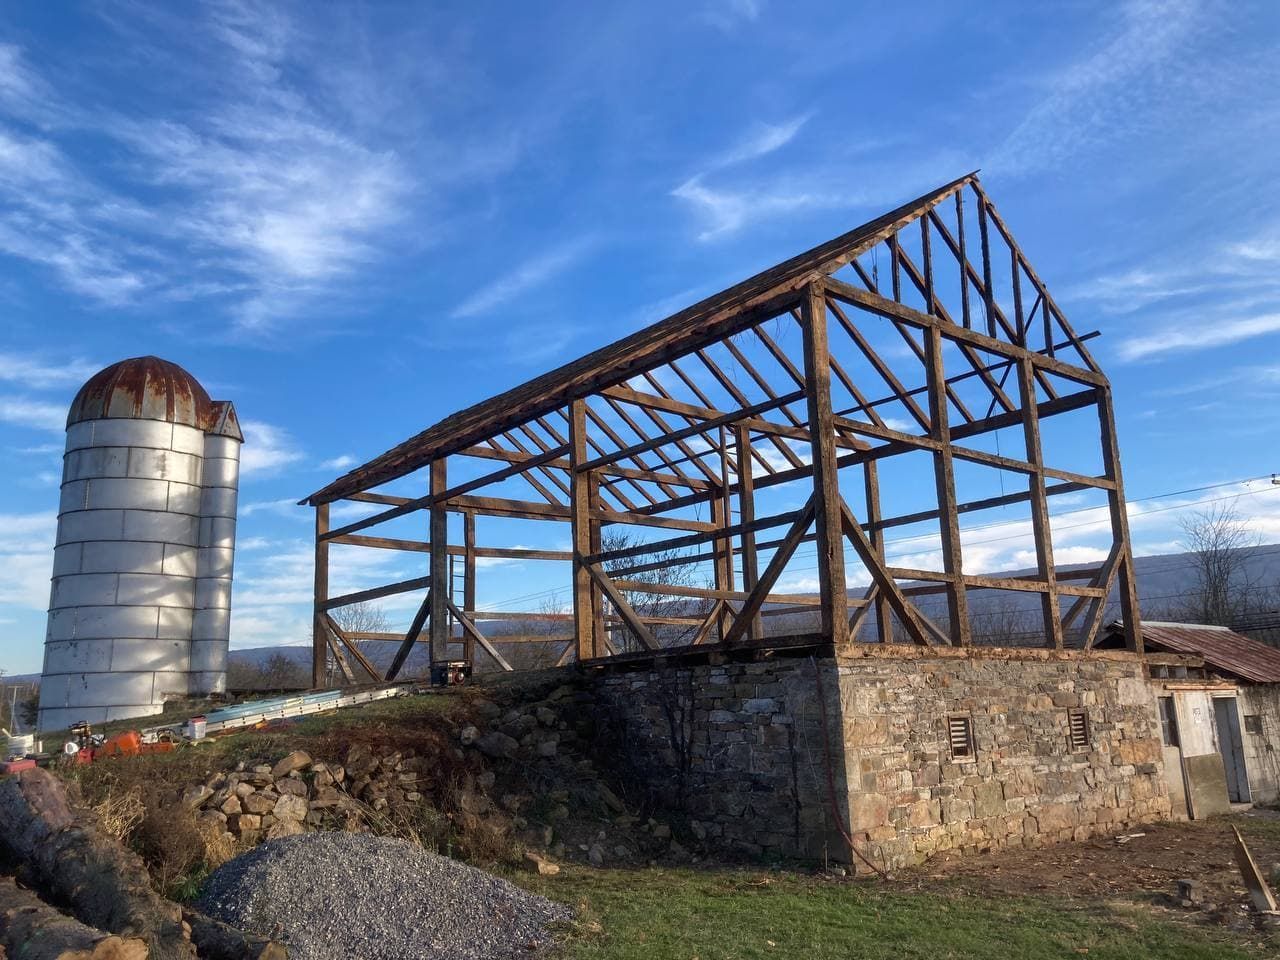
column 352, row 220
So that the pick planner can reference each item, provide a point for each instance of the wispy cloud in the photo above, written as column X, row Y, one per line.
column 33, row 414
column 761, row 140
column 39, row 373
column 727, row 210
column 342, row 462
column 729, row 15
column 1201, row 336
column 529, row 275
column 267, row 448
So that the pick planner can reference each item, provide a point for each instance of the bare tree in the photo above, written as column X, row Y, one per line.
column 676, row 571
column 1221, row 545
column 365, row 617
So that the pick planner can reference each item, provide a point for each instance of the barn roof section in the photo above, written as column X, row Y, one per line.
column 1221, row 647
column 717, row 316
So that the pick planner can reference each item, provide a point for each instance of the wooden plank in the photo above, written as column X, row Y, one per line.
column 945, row 485
column 832, row 586
column 694, row 539
column 580, row 518
column 319, row 646
column 747, row 515
column 439, row 578
column 469, row 576
column 410, row 638
column 646, row 520
column 751, row 606
column 514, row 509
column 907, row 614
column 354, row 649
column 331, row 641
column 1118, row 509
column 1040, row 528
column 470, row 629
column 376, row 593
column 871, row 484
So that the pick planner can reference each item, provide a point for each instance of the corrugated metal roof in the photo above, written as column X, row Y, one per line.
column 1222, row 648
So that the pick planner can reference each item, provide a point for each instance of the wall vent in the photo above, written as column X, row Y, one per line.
column 960, row 734
column 1078, row 729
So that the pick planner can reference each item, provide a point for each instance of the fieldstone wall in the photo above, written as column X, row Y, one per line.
column 760, row 763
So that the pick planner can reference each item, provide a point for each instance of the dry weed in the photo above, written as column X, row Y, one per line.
column 121, row 813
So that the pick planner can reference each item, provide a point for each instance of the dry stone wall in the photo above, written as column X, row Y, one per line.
column 786, row 757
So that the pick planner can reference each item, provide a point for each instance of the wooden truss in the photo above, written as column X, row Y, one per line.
column 675, row 433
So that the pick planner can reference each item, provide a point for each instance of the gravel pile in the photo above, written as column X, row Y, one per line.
column 358, row 896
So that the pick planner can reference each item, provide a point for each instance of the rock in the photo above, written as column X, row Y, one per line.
column 547, row 748
column 546, row 716
column 662, row 832
column 285, row 828
column 498, row 745
column 293, row 786
column 610, row 799
column 230, row 806
column 293, row 761
column 257, row 803
column 197, row 796
column 486, row 779
column 243, row 790
column 677, row 852
column 244, row 821
column 289, row 807
column 468, row 735
column 263, row 769
column 215, row 819
column 540, row 865
column 622, row 852
column 560, row 692
column 487, row 709
column 595, row 853
column 558, row 812
column 326, row 797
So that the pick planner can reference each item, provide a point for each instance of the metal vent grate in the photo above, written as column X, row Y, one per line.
column 1078, row 729
column 960, row 733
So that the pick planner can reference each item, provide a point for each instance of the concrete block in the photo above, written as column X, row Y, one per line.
column 90, row 525
column 155, row 590
column 213, row 623
column 174, row 623
column 109, row 622
column 221, row 472
column 217, row 447
column 180, row 560
column 185, row 498
column 216, row 562
column 83, row 590
column 208, row 656
column 213, row 594
column 77, row 656
column 187, row 440
column 161, row 526
column 165, row 465
column 138, row 655
column 117, row 493
column 66, row 559
column 74, row 496
column 128, row 432
column 121, row 556
column 218, row 502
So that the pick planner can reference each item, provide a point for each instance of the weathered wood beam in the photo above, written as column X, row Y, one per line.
column 319, row 656
column 410, row 637
column 750, row 609
column 439, row 560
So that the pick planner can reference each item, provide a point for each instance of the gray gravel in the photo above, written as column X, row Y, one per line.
column 353, row 895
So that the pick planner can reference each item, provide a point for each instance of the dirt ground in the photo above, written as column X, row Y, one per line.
column 1145, row 867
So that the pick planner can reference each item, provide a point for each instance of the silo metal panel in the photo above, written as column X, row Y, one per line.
column 91, row 525
column 66, row 559
column 218, row 502
column 155, row 590
column 175, row 623
column 112, row 688
column 112, row 621
column 55, row 690
column 218, row 532
column 214, row 681
column 216, row 447
column 122, row 556
column 187, row 440
column 129, row 711
column 213, row 594
column 180, row 560
column 210, row 623
column 216, row 562
column 84, row 590
column 165, row 527
column 63, row 718
column 134, row 433
column 77, row 656
column 208, row 655
column 169, row 685
column 184, row 498
column 165, row 465
column 80, row 435
column 128, row 655
column 128, row 494
column 221, row 472
column 96, row 462
column 73, row 496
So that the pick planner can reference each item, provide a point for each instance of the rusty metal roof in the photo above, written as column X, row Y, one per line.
column 1221, row 648
column 148, row 388
column 617, row 362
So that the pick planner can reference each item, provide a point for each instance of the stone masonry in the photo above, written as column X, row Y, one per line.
column 761, row 764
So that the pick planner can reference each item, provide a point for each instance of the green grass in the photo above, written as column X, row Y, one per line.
column 737, row 915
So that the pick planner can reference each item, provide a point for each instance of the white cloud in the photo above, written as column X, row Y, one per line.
column 33, row 414
column 529, row 275
column 266, row 448
column 26, row 558
column 1199, row 336
column 339, row 463
column 729, row 15
column 37, row 373
column 727, row 210
column 763, row 139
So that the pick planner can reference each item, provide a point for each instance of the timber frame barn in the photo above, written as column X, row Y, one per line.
column 885, row 366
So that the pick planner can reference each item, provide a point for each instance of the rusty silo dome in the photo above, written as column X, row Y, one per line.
column 143, row 388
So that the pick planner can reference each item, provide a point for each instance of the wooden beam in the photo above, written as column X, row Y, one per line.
column 1118, row 508
column 410, row 638
column 439, row 579
column 469, row 629
column 580, row 517
column 319, row 645
column 750, row 609
column 1040, row 528
column 627, row 612
column 945, row 485
column 747, row 515
column 832, row 586
column 353, row 648
column 376, row 593
column 469, row 576
column 907, row 614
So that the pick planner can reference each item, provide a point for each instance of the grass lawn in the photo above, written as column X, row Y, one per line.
column 742, row 915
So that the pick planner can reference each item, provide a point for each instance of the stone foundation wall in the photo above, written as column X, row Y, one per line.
column 760, row 764
column 909, row 799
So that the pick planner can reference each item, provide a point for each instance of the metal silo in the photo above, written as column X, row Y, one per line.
column 138, row 612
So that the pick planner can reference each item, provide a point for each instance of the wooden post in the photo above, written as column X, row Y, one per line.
column 319, row 636
column 584, row 591
column 722, row 516
column 1129, row 611
column 746, row 516
column 945, row 483
column 832, row 588
column 441, row 626
column 1039, row 504
column 884, row 619
column 469, row 579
